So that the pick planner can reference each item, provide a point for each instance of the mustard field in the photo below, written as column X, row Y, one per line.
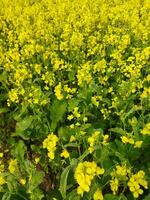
column 74, row 99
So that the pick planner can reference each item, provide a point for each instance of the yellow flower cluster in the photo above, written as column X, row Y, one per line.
column 114, row 184
column 58, row 92
column 96, row 138
column 81, row 52
column 146, row 93
column 69, row 91
column 84, row 174
column 2, row 180
column 146, row 129
column 64, row 153
column 98, row 195
column 78, row 118
column 22, row 181
column 92, row 141
column 135, row 182
column 127, row 140
column 130, row 140
column 50, row 144
column 105, row 139
column 13, row 166
column 76, row 112
column 119, row 174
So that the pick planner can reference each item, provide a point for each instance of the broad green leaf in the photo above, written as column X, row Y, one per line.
column 36, row 194
column 6, row 196
column 73, row 195
column 22, row 125
column 111, row 197
column 114, row 197
column 35, row 180
column 72, row 104
column 57, row 111
column 3, row 110
column 63, row 181
column 20, row 152
column 65, row 133
column 147, row 197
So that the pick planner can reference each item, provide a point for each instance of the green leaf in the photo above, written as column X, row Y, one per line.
column 57, row 111
column 72, row 104
column 22, row 125
column 63, row 181
column 3, row 110
column 73, row 195
column 65, row 133
column 147, row 197
column 114, row 197
column 117, row 130
column 20, row 152
column 122, row 197
column 86, row 153
column 71, row 145
column 36, row 194
column 35, row 180
column 6, row 196
column 110, row 197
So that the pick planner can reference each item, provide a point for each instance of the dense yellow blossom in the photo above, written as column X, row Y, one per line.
column 127, row 140
column 58, row 92
column 50, row 144
column 135, row 182
column 1, row 155
column 75, row 67
column 2, row 180
column 114, row 184
column 146, row 129
column 84, row 174
column 13, row 166
column 22, row 181
column 119, row 174
column 121, row 171
column 138, row 144
column 72, row 138
column 105, row 139
column 98, row 195
column 92, row 141
column 64, row 153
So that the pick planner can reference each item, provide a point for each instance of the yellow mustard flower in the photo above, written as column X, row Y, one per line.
column 22, row 181
column 127, row 140
column 58, row 92
column 105, row 139
column 92, row 141
column 138, row 144
column 64, row 153
column 98, row 195
column 84, row 174
column 37, row 159
column 72, row 138
column 135, row 182
column 13, row 166
column 2, row 180
column 1, row 155
column 114, row 184
column 146, row 129
column 50, row 144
